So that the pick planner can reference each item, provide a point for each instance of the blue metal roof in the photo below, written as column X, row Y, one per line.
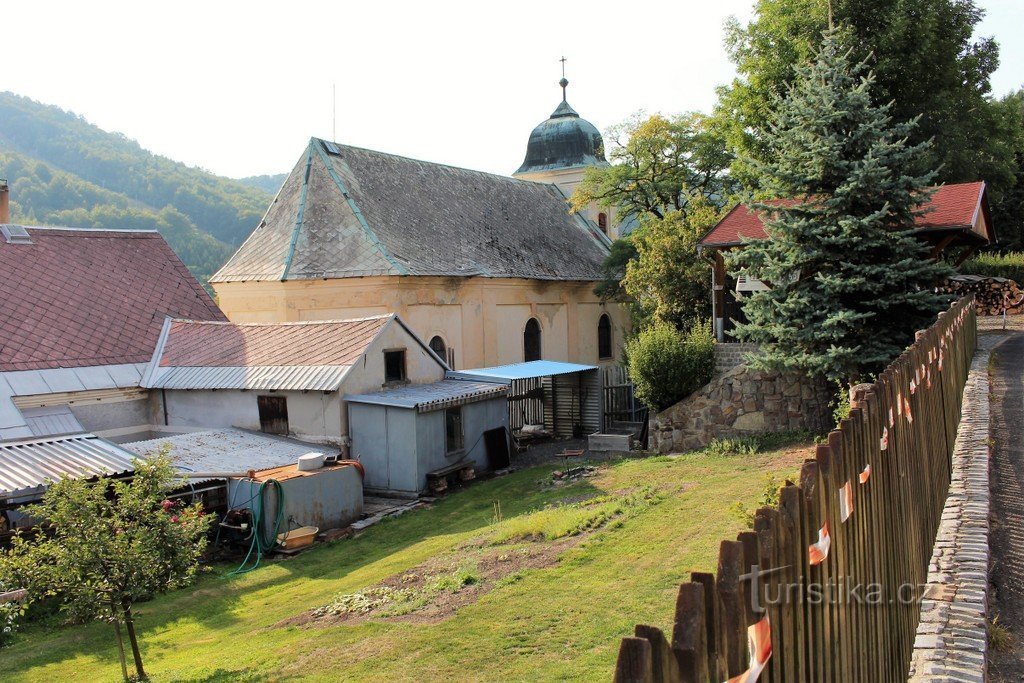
column 528, row 370
column 427, row 397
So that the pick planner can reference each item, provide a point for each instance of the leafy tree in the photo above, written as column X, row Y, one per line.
column 926, row 63
column 667, row 280
column 659, row 166
column 666, row 365
column 849, row 284
column 108, row 545
column 669, row 175
column 1008, row 203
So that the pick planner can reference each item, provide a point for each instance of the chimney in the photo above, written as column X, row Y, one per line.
column 5, row 202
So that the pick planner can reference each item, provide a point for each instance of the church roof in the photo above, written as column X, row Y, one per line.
column 351, row 212
column 564, row 140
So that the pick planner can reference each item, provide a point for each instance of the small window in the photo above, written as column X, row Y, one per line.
column 602, row 222
column 273, row 414
column 531, row 340
column 604, row 337
column 453, row 430
column 438, row 346
column 394, row 365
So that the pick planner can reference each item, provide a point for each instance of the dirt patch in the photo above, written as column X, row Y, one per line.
column 436, row 589
column 793, row 456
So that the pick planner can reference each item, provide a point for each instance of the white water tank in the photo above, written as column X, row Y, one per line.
column 311, row 461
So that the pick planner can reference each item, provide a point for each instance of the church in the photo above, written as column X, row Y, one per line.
column 489, row 269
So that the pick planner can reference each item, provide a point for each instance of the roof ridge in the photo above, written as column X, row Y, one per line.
column 356, row 211
column 433, row 163
column 68, row 228
column 290, row 323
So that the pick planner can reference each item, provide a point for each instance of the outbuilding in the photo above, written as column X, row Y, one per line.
column 410, row 437
column 564, row 398
column 289, row 379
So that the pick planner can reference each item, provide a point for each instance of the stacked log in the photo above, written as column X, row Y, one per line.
column 992, row 294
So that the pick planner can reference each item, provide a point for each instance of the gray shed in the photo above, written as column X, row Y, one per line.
column 564, row 397
column 404, row 434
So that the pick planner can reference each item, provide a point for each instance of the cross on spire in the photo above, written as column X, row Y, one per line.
column 563, row 82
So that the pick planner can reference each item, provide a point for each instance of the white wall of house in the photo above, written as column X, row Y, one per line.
column 312, row 416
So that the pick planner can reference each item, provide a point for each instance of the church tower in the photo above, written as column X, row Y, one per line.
column 560, row 150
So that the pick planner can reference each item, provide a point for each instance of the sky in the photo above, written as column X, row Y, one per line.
column 238, row 88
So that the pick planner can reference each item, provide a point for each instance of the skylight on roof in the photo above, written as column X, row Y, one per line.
column 16, row 234
column 332, row 148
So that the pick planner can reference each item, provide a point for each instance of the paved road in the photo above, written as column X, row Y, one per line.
column 1007, row 485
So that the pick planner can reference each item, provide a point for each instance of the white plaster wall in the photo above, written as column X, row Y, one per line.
column 312, row 416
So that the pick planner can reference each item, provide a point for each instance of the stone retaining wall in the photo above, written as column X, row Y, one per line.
column 742, row 402
column 730, row 354
column 952, row 640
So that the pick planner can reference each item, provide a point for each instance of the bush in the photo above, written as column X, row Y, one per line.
column 1009, row 265
column 667, row 366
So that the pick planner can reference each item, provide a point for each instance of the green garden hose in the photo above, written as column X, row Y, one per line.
column 261, row 541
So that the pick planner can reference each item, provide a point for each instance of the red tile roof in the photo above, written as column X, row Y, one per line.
column 951, row 207
column 205, row 344
column 75, row 298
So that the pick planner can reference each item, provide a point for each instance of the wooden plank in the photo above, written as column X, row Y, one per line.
column 634, row 664
column 664, row 668
column 730, row 594
column 713, row 625
column 690, row 634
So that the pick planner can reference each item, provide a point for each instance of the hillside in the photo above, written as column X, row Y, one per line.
column 65, row 171
column 267, row 183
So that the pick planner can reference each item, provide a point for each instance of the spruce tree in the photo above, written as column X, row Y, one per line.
column 849, row 283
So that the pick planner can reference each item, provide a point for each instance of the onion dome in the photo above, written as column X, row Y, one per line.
column 564, row 140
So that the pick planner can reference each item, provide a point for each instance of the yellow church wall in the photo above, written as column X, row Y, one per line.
column 567, row 180
column 481, row 318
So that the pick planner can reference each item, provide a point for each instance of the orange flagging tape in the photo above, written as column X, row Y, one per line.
column 817, row 552
column 759, row 642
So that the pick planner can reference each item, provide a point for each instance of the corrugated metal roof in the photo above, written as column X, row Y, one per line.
column 52, row 421
column 229, row 450
column 426, row 397
column 51, row 380
column 27, row 466
column 261, row 378
column 528, row 370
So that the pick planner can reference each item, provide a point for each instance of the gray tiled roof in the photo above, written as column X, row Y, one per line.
column 360, row 213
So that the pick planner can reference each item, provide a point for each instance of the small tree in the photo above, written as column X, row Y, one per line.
column 667, row 280
column 659, row 165
column 849, row 283
column 109, row 544
column 667, row 366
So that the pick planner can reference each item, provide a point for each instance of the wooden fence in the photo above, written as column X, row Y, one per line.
column 863, row 518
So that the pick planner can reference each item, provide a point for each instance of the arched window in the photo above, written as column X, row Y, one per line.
column 602, row 222
column 438, row 346
column 604, row 337
column 531, row 340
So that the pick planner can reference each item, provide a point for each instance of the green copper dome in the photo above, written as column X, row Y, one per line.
column 563, row 141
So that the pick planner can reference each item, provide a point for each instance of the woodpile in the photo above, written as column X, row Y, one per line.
column 991, row 293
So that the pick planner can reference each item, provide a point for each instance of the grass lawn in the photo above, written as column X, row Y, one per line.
column 543, row 592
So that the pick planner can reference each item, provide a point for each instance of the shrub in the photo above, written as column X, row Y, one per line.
column 1009, row 265
column 667, row 366
column 748, row 445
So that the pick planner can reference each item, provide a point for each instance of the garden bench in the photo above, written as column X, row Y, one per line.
column 437, row 481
